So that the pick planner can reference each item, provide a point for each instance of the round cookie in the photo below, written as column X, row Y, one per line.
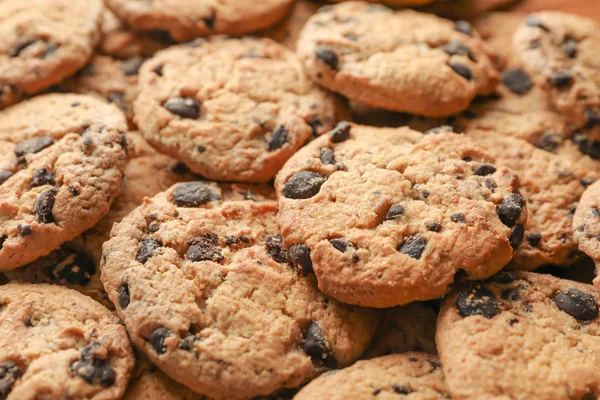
column 561, row 50
column 231, row 109
column 402, row 61
column 242, row 321
column 521, row 336
column 552, row 187
column 56, row 343
column 586, row 223
column 61, row 162
column 113, row 80
column 185, row 20
column 43, row 42
column 405, row 328
column 414, row 375
column 388, row 216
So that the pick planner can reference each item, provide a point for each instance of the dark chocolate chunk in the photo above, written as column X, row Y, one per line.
column 205, row 249
column 477, row 301
column 183, row 106
column 299, row 256
column 315, row 345
column 149, row 247
column 303, row 185
column 578, row 304
column 194, row 194
column 413, row 246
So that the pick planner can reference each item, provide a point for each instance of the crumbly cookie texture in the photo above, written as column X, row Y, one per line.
column 388, row 216
column 231, row 109
column 552, row 187
column 114, row 80
column 61, row 164
column 561, row 49
column 356, row 49
column 586, row 224
column 56, row 343
column 206, row 291
column 404, row 328
column 414, row 375
column 520, row 336
column 43, row 42
column 185, row 20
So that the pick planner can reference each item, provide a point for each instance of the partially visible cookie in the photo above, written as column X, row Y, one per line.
column 113, row 80
column 586, row 223
column 388, row 216
column 414, row 375
column 231, row 109
column 404, row 328
column 56, row 343
column 61, row 162
column 206, row 291
column 468, row 10
column 402, row 61
column 497, row 29
column 392, row 2
column 43, row 42
column 552, row 187
column 185, row 20
column 521, row 336
column 287, row 31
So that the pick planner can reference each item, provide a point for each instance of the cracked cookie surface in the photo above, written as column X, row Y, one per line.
column 402, row 61
column 388, row 216
column 56, row 343
column 231, row 109
column 61, row 162
column 243, row 321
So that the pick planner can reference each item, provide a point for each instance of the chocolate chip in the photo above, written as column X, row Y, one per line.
column 477, row 301
column 516, row 236
column 73, row 267
column 578, row 304
column 510, row 209
column 201, row 149
column 516, row 80
column 279, row 138
column 587, row 181
column 401, row 389
column 132, row 66
column 464, row 27
column 50, row 49
column 22, row 45
column 276, row 250
column 341, row 132
column 484, row 169
column 502, row 278
column 548, row 142
column 2, row 240
column 188, row 342
column 341, row 244
column 456, row 47
column 43, row 206
column 462, row 70
column 561, row 79
column 592, row 119
column 210, row 20
column 183, row 106
column 315, row 345
column 458, row 217
column 146, row 252
column 426, row 193
column 326, row 55
column 32, row 145
column 587, row 145
column 535, row 22
column 73, row 190
column 118, row 99
column 158, row 70
column 180, row 168
column 326, row 156
column 570, row 47
column 303, row 185
column 299, row 256
column 439, row 129
column 9, row 373
column 42, row 177
column 413, row 246
column 4, row 175
column 24, row 230
column 395, row 211
column 534, row 239
column 315, row 124
column 123, row 296
column 157, row 340
column 194, row 194
column 205, row 249
column 92, row 369
column 433, row 226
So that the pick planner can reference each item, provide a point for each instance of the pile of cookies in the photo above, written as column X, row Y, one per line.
column 286, row 199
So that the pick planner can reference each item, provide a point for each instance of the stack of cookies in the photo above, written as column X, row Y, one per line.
column 293, row 200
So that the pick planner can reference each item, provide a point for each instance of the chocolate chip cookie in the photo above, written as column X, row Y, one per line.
column 561, row 50
column 61, row 164
column 552, row 186
column 387, row 216
column 185, row 20
column 43, row 42
column 231, row 109
column 586, row 223
column 402, row 61
column 497, row 29
column 56, row 343
column 287, row 31
column 206, row 290
column 414, row 375
column 521, row 336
